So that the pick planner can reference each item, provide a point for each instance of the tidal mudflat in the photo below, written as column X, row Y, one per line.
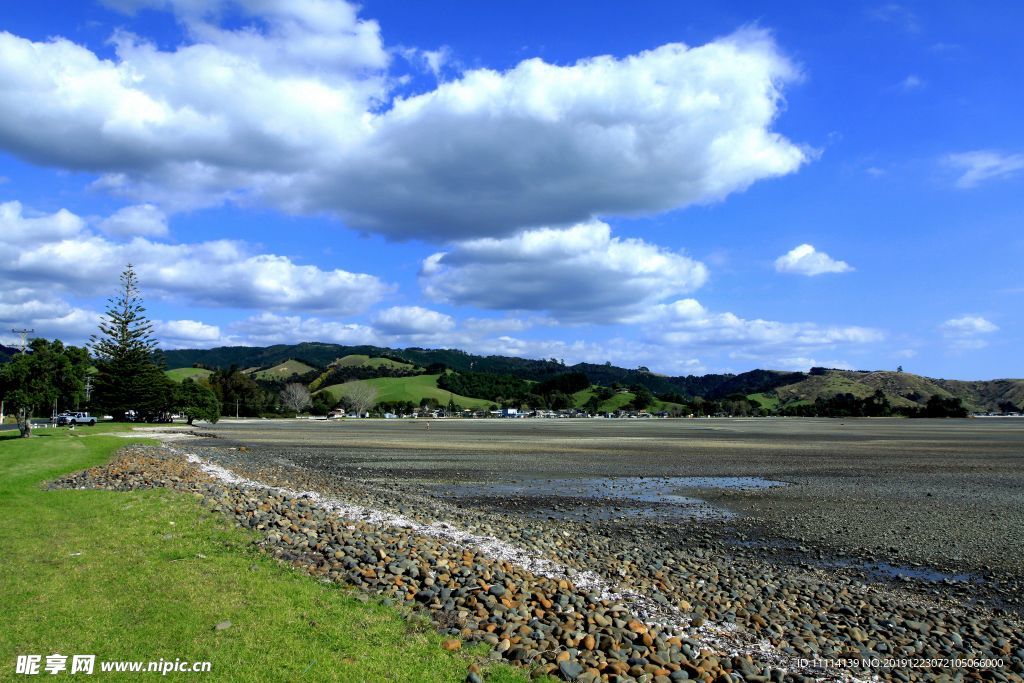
column 897, row 543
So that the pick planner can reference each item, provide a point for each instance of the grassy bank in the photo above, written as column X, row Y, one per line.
column 146, row 575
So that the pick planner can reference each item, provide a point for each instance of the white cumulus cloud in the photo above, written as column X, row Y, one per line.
column 687, row 324
column 969, row 325
column 146, row 220
column 20, row 227
column 806, row 260
column 270, row 328
column 189, row 334
column 580, row 273
column 217, row 273
column 296, row 108
column 412, row 320
column 50, row 316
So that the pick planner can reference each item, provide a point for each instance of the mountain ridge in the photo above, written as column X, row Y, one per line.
column 790, row 388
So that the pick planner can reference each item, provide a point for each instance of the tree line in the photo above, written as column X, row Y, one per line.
column 122, row 374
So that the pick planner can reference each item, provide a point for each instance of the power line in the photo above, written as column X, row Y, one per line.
column 24, row 335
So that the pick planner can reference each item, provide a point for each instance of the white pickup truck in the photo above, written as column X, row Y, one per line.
column 76, row 419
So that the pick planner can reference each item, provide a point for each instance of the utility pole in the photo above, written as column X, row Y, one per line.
column 236, row 408
column 24, row 335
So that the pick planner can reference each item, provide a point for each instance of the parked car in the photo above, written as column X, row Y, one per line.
column 75, row 418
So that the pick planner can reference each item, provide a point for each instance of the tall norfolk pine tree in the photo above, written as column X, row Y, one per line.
column 127, row 378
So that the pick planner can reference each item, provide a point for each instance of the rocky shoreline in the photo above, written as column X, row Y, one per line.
column 575, row 600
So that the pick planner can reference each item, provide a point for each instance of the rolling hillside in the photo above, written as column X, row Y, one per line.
column 986, row 394
column 413, row 389
column 362, row 360
column 181, row 374
column 767, row 386
column 289, row 368
column 620, row 400
column 901, row 388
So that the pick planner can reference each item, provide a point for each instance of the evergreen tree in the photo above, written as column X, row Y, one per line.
column 127, row 377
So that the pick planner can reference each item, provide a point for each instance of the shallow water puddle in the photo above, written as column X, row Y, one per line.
column 605, row 498
column 884, row 570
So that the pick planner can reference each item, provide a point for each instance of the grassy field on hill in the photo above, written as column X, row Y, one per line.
column 861, row 384
column 181, row 374
column 358, row 360
column 618, row 401
column 362, row 360
column 145, row 575
column 767, row 401
column 284, row 370
column 413, row 389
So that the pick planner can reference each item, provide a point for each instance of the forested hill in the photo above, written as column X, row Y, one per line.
column 770, row 387
column 6, row 353
column 320, row 355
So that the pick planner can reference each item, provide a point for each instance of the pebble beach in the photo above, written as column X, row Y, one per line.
column 668, row 570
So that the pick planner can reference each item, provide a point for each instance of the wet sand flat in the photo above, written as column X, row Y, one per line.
column 941, row 493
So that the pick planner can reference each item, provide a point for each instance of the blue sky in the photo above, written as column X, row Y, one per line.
column 689, row 187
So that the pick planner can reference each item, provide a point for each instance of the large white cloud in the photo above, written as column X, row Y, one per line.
column 219, row 273
column 686, row 324
column 270, row 328
column 412, row 320
column 294, row 109
column 580, row 273
column 49, row 316
column 806, row 260
column 546, row 144
column 187, row 334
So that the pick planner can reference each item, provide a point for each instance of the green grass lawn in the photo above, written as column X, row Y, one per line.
column 181, row 374
column 145, row 575
column 413, row 389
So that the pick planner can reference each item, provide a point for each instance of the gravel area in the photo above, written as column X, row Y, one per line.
column 870, row 553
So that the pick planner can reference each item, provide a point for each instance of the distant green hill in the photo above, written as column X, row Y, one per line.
column 7, row 353
column 619, row 401
column 413, row 389
column 767, row 386
column 362, row 360
column 986, row 394
column 903, row 389
column 289, row 368
column 361, row 366
column 181, row 374
column 322, row 355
